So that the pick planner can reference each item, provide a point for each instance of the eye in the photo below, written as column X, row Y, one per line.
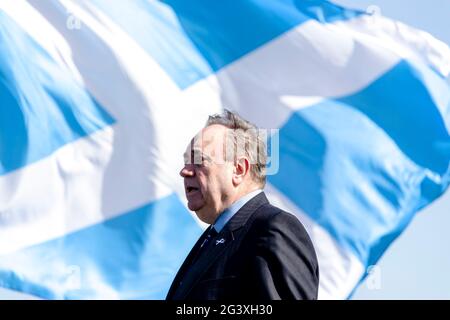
column 200, row 162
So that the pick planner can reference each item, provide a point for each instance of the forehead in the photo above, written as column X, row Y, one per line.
column 207, row 139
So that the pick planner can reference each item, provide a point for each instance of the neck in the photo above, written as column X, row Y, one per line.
column 243, row 192
column 227, row 201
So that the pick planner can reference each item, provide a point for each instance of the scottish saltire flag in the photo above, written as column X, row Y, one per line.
column 99, row 98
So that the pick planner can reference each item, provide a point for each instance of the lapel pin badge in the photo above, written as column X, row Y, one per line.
column 220, row 241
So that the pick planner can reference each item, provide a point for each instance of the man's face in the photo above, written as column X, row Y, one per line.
column 207, row 176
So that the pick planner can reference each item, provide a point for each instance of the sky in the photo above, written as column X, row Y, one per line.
column 417, row 265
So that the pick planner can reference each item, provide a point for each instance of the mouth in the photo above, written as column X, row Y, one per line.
column 191, row 189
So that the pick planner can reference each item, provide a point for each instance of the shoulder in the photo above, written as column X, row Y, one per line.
column 269, row 216
column 273, row 228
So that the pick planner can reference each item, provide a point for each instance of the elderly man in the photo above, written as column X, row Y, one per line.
column 251, row 250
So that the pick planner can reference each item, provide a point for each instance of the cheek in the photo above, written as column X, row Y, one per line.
column 214, row 179
column 203, row 181
column 209, row 182
column 227, row 175
column 224, row 181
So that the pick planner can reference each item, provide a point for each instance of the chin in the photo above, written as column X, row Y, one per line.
column 203, row 216
column 194, row 206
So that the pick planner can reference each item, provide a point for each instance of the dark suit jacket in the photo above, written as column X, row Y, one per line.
column 261, row 253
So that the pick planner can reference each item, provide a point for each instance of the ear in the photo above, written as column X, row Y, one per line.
column 241, row 170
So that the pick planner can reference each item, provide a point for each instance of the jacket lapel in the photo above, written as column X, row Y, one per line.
column 204, row 262
column 217, row 247
column 186, row 265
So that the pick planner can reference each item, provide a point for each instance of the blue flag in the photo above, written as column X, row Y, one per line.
column 98, row 100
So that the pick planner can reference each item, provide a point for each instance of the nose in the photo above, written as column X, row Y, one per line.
column 187, row 171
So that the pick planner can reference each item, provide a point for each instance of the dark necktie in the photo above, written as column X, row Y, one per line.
column 212, row 233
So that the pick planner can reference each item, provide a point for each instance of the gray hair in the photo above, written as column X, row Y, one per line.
column 243, row 137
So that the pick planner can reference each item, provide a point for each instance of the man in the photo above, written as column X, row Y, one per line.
column 251, row 250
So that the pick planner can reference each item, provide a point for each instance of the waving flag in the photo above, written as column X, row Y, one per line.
column 99, row 98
